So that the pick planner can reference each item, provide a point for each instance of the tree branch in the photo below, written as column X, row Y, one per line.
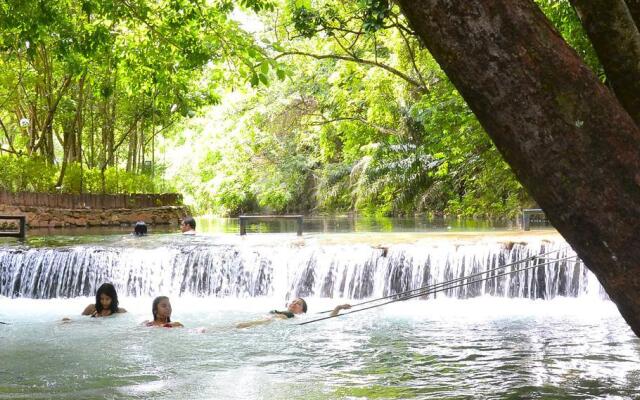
column 616, row 39
column 379, row 128
column 412, row 57
column 9, row 141
column 634, row 9
column 388, row 68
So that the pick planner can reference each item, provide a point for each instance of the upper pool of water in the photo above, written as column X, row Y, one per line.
column 373, row 230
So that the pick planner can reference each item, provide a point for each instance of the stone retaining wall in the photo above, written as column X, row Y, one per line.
column 41, row 217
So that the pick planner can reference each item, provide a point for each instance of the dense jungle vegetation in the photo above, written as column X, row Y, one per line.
column 246, row 106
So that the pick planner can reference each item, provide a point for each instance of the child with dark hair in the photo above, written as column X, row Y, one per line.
column 188, row 226
column 161, row 310
column 140, row 228
column 106, row 302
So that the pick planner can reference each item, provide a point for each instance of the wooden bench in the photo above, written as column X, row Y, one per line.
column 526, row 216
column 22, row 223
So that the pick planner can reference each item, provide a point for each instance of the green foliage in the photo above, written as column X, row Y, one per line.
column 24, row 174
column 98, row 82
column 375, row 13
column 348, row 136
column 564, row 18
column 306, row 21
column 335, row 106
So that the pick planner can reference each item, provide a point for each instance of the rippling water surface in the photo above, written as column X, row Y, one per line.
column 478, row 348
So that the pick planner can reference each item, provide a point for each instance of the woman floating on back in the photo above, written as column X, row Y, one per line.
column 106, row 302
column 297, row 306
column 161, row 310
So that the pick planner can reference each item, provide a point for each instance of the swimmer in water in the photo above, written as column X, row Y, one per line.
column 188, row 226
column 106, row 302
column 140, row 229
column 161, row 309
column 297, row 306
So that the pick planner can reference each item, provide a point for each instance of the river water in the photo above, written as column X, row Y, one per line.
column 548, row 332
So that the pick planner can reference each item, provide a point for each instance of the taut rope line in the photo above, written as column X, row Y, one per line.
column 426, row 291
column 437, row 285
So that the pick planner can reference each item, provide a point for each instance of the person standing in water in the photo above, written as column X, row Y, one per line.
column 161, row 310
column 188, row 226
column 297, row 306
column 106, row 302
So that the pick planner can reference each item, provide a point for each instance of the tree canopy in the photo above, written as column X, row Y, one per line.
column 365, row 120
column 321, row 107
column 87, row 86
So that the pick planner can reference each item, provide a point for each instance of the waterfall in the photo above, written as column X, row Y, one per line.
column 347, row 271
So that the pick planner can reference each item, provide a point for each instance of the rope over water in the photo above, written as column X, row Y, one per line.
column 530, row 258
column 442, row 286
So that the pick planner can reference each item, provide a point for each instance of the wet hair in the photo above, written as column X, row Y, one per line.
column 140, row 228
column 109, row 290
column 190, row 221
column 154, row 306
column 287, row 314
column 304, row 304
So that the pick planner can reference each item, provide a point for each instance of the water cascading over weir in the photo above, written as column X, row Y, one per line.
column 336, row 271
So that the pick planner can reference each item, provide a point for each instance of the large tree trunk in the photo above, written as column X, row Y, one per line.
column 634, row 8
column 566, row 136
column 615, row 37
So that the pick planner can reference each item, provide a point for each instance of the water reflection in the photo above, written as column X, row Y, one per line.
column 312, row 224
column 343, row 224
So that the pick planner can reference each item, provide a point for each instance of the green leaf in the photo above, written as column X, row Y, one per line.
column 255, row 80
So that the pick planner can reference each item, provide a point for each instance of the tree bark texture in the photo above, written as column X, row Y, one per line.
column 634, row 8
column 566, row 136
column 616, row 39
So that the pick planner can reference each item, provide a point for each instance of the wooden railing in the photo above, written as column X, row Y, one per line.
column 90, row 201
column 244, row 219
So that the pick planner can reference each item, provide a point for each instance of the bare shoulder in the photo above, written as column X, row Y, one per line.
column 121, row 310
column 90, row 309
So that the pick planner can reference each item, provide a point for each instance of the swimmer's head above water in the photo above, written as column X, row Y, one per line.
column 161, row 309
column 106, row 298
column 297, row 306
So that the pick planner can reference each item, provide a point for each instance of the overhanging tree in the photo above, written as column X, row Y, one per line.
column 569, row 140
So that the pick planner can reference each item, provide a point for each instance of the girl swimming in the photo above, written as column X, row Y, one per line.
column 161, row 310
column 106, row 302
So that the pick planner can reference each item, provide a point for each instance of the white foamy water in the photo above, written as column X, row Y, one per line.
column 205, row 267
